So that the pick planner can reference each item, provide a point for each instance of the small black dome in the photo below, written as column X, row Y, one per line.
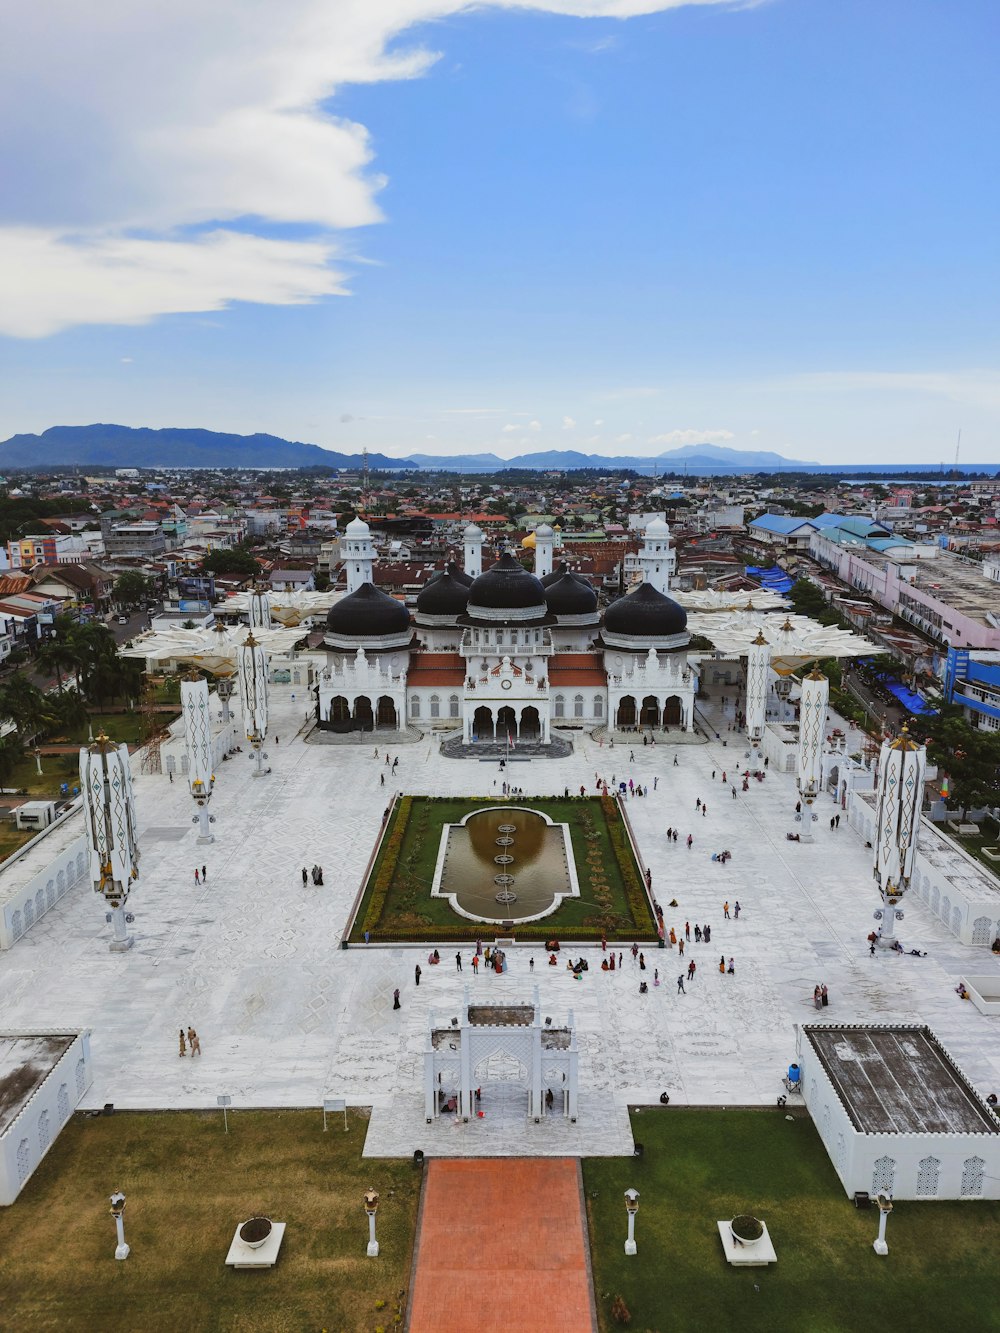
column 561, row 569
column 507, row 586
column 569, row 595
column 445, row 595
column 367, row 613
column 646, row 614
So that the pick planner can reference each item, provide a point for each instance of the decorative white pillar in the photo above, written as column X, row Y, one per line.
column 473, row 540
column 632, row 1207
column 544, row 543
column 252, row 670
column 196, row 712
column 758, row 667
column 812, row 727
column 902, row 763
column 109, row 814
column 879, row 1244
column 122, row 1250
column 371, row 1208
column 260, row 607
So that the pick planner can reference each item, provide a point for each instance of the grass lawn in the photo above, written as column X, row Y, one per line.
column 187, row 1185
column 700, row 1166
column 408, row 856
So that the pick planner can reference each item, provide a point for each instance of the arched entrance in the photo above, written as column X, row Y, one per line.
column 340, row 710
column 386, row 713
column 531, row 724
column 363, row 718
column 482, row 724
column 673, row 713
column 625, row 716
column 506, row 724
column 649, row 714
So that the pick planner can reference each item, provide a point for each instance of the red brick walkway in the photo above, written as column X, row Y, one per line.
column 502, row 1245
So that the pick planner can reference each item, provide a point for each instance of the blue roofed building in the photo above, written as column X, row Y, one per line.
column 972, row 679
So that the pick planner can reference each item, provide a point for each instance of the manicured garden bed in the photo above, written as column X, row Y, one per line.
column 397, row 902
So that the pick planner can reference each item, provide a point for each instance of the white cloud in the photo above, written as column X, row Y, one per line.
column 534, row 425
column 568, row 423
column 509, row 427
column 623, row 439
column 599, row 421
column 677, row 437
column 130, row 128
column 120, row 280
column 126, row 360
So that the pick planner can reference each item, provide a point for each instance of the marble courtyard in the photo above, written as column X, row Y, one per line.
column 253, row 960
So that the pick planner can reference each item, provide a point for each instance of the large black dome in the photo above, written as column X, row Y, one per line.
column 367, row 613
column 569, row 595
column 445, row 595
column 645, row 614
column 507, row 586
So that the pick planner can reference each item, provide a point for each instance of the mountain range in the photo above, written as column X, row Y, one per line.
column 142, row 447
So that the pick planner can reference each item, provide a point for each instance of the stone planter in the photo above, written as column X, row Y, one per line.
column 746, row 1230
column 255, row 1231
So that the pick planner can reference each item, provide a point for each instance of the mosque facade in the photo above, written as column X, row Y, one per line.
column 505, row 653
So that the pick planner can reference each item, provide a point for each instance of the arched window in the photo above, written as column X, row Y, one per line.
column 415, row 706
column 598, row 706
column 578, row 705
column 435, row 706
column 63, row 1102
column 560, row 706
column 453, row 706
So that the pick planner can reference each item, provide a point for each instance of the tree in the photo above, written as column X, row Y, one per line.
column 23, row 704
column 970, row 757
column 238, row 562
column 131, row 588
column 11, row 754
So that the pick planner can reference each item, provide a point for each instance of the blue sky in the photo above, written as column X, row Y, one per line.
column 771, row 226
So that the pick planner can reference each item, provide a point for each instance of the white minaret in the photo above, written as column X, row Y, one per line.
column 900, row 796
column 357, row 550
column 198, row 746
column 655, row 555
column 473, row 538
column 544, row 543
column 812, row 729
column 758, row 668
column 109, row 816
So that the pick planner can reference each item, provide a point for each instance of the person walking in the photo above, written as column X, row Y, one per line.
column 725, row 910
column 833, row 822
column 376, row 751
column 204, row 875
column 670, row 834
column 475, row 963
column 305, row 876
column 395, row 764
column 680, row 985
column 697, row 804
column 733, row 790
column 675, row 761
column 170, row 774
column 656, row 780
column 736, row 909
column 706, row 934
column 635, row 952
column 690, row 840
column 531, row 963
column 458, row 961
column 194, row 1042
column 713, row 774
column 416, row 974
column 692, row 967
column 381, row 779
column 837, row 821
column 183, row 1044
column 722, row 964
column 620, row 956
column 704, row 811
column 197, row 877
column 687, row 930
column 680, row 947
column 731, row 969
column 642, row 962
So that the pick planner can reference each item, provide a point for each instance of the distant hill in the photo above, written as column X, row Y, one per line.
column 127, row 446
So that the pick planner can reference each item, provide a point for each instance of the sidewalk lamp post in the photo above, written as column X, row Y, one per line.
column 117, row 1211
column 371, row 1208
column 884, row 1209
column 632, row 1207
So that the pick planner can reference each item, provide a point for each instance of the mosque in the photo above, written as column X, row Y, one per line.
column 506, row 654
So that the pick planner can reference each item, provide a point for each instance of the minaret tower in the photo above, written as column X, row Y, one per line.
column 473, row 538
column 357, row 550
column 544, row 543
column 655, row 555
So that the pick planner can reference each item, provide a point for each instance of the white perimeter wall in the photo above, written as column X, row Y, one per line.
column 34, row 1130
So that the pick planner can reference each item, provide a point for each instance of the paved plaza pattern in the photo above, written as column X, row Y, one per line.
column 253, row 959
